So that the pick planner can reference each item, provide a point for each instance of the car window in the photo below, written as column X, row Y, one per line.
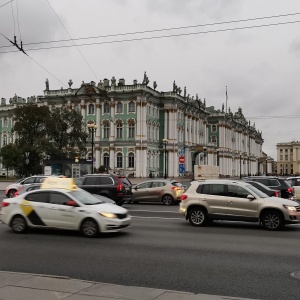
column 58, row 198
column 256, row 191
column 34, row 187
column 144, row 185
column 237, row 191
column 158, row 184
column 90, row 180
column 212, row 189
column 85, row 197
column 273, row 182
column 38, row 197
column 104, row 180
column 264, row 181
column 29, row 180
column 297, row 183
column 39, row 179
column 125, row 181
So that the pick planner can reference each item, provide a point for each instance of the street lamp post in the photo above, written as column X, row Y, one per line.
column 240, row 166
column 92, row 129
column 205, row 155
column 165, row 142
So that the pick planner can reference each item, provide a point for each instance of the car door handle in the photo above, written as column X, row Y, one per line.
column 230, row 202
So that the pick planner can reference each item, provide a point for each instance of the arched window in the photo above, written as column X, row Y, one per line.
column 106, row 108
column 119, row 160
column 131, row 160
column 213, row 139
column 91, row 109
column 106, row 159
column 106, row 131
column 5, row 122
column 4, row 140
column 131, row 106
column 213, row 128
column 131, row 130
column 119, row 107
column 120, row 131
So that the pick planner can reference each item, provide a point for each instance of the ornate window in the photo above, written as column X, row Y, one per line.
column 131, row 107
column 213, row 139
column 119, row 131
column 120, row 107
column 106, row 108
column 131, row 160
column 131, row 130
column 119, row 160
column 106, row 159
column 4, row 140
column 213, row 128
column 106, row 131
column 5, row 122
column 91, row 109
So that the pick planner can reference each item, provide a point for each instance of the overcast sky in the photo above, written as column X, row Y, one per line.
column 260, row 66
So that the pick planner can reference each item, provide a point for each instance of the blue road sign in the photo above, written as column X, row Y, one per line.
column 182, row 151
column 181, row 168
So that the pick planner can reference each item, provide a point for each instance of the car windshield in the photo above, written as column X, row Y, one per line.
column 85, row 197
column 257, row 192
column 21, row 180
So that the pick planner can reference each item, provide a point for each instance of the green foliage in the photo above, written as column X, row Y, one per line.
column 11, row 156
column 58, row 133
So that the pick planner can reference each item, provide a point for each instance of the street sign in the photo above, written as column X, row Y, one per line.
column 181, row 159
column 181, row 169
column 182, row 151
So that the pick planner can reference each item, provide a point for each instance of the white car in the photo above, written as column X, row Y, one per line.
column 61, row 204
column 22, row 183
column 295, row 183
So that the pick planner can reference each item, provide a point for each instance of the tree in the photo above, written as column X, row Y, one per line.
column 11, row 157
column 65, row 129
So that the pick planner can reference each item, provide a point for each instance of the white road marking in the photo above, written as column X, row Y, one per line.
column 154, row 211
column 157, row 218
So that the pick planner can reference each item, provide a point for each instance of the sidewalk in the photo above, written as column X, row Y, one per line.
column 24, row 286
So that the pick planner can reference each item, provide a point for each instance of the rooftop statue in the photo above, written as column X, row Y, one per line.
column 154, row 85
column 146, row 79
column 47, row 84
column 70, row 83
column 113, row 81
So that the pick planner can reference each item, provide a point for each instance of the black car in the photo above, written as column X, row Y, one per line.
column 274, row 183
column 107, row 185
column 128, row 188
column 264, row 189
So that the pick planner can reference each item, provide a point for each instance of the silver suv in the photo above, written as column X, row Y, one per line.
column 208, row 200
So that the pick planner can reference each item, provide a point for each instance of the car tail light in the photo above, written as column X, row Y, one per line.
column 290, row 190
column 276, row 194
column 4, row 204
column 183, row 197
column 176, row 188
column 119, row 187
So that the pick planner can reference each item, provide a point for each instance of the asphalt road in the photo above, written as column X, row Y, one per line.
column 162, row 250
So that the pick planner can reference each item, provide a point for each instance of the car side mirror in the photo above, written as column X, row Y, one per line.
column 250, row 197
column 135, row 187
column 72, row 203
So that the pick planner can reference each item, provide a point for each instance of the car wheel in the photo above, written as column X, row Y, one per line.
column 89, row 228
column 11, row 193
column 197, row 217
column 272, row 220
column 167, row 200
column 18, row 224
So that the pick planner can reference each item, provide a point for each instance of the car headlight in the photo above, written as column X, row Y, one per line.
column 290, row 208
column 108, row 215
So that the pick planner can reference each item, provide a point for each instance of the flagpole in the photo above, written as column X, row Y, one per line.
column 226, row 99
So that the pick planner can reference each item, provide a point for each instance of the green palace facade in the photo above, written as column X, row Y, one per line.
column 142, row 131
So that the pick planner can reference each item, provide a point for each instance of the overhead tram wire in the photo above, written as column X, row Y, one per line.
column 159, row 37
column 160, row 30
column 73, row 41
column 6, row 3
column 37, row 63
